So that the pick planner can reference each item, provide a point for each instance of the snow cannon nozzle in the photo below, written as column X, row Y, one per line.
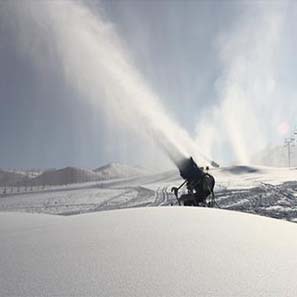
column 189, row 170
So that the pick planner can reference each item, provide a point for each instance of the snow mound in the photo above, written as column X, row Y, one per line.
column 171, row 251
column 117, row 170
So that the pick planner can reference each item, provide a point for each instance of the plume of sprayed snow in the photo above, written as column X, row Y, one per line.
column 97, row 64
column 250, row 105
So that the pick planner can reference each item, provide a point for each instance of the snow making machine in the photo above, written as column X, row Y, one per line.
column 199, row 185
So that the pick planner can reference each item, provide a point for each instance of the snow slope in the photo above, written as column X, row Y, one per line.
column 262, row 190
column 169, row 251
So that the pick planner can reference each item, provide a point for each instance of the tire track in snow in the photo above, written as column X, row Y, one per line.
column 277, row 201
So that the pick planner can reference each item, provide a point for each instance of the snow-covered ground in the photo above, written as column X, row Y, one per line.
column 262, row 190
column 152, row 251
column 165, row 251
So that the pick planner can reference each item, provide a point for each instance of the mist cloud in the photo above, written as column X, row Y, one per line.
column 94, row 60
column 250, row 95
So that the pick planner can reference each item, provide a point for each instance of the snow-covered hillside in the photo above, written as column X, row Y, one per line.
column 72, row 175
column 261, row 190
column 17, row 177
column 171, row 251
column 117, row 170
column 11, row 177
column 68, row 175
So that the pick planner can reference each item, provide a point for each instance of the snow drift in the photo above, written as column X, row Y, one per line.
column 147, row 252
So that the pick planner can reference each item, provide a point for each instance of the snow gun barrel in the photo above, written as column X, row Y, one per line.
column 189, row 170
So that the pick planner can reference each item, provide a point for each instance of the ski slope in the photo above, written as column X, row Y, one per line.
column 262, row 190
column 167, row 251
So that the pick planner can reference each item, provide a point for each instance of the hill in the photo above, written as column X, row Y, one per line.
column 72, row 175
column 8, row 178
column 68, row 175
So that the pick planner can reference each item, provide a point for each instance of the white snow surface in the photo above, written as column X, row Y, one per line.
column 164, row 251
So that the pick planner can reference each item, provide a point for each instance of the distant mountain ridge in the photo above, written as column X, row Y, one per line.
column 69, row 175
